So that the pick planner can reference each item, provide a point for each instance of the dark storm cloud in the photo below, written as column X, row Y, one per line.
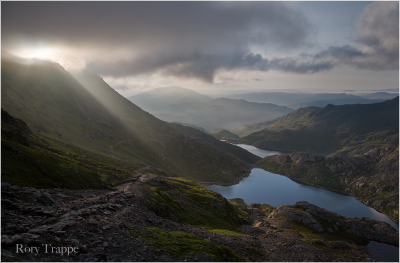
column 195, row 40
column 141, row 23
column 185, row 39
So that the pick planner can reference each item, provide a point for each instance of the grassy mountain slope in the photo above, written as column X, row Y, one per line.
column 29, row 160
column 238, row 152
column 83, row 111
column 206, row 113
column 346, row 129
column 192, row 125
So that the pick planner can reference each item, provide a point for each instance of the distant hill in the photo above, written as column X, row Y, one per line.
column 168, row 99
column 345, row 130
column 186, row 106
column 191, row 125
column 323, row 103
column 286, row 99
column 380, row 95
column 225, row 135
column 70, row 110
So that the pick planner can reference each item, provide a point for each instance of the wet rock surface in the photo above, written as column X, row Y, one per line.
column 97, row 225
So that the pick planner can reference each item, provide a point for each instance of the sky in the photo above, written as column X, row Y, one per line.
column 214, row 47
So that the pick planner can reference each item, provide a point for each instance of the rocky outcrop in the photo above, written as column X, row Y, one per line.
column 370, row 229
column 302, row 157
column 300, row 216
column 307, row 213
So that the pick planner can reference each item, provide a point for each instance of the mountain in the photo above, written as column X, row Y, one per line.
column 192, row 125
column 186, row 106
column 380, row 95
column 225, row 135
column 166, row 99
column 286, row 99
column 371, row 177
column 226, row 147
column 345, row 129
column 79, row 109
column 324, row 103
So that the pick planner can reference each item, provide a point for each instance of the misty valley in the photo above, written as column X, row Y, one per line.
column 200, row 131
column 85, row 169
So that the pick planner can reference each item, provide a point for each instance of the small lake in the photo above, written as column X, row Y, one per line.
column 267, row 188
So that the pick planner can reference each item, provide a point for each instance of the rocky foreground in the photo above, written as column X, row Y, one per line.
column 158, row 218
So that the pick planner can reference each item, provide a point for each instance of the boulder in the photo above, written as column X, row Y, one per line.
column 300, row 216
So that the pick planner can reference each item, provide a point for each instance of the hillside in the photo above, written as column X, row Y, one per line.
column 372, row 177
column 225, row 135
column 186, row 106
column 226, row 147
column 30, row 160
column 344, row 130
column 81, row 110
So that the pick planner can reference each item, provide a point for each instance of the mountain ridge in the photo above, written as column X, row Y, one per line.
column 345, row 129
column 208, row 113
column 82, row 110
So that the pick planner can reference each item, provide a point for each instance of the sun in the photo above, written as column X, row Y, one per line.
column 43, row 53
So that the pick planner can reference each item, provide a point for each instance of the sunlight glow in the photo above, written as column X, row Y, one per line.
column 43, row 53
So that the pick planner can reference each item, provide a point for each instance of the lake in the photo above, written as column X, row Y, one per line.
column 267, row 188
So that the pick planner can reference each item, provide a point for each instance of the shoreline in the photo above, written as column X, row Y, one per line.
column 338, row 192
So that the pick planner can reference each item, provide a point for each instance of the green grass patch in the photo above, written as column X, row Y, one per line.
column 227, row 232
column 182, row 245
column 184, row 201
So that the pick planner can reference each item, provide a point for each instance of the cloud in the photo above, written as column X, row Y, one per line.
column 183, row 39
column 378, row 32
column 194, row 40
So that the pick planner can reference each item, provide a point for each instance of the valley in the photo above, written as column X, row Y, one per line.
column 84, row 167
column 84, row 112
column 183, row 105
column 199, row 131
